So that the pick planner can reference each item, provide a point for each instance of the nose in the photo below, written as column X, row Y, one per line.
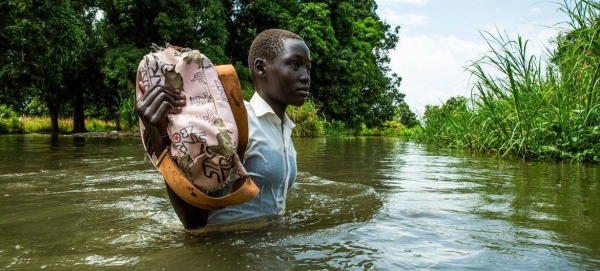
column 305, row 77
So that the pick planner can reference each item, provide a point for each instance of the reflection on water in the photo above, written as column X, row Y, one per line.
column 359, row 203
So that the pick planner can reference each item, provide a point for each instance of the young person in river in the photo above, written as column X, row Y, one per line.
column 279, row 63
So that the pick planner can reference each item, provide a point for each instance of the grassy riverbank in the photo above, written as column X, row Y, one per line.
column 308, row 124
column 11, row 123
column 527, row 106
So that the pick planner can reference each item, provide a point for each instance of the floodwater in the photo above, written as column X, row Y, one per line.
column 359, row 204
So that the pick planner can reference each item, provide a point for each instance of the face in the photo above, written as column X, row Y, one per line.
column 288, row 76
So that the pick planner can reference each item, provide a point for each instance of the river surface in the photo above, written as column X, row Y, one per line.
column 358, row 204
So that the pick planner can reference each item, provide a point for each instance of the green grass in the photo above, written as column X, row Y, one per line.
column 42, row 125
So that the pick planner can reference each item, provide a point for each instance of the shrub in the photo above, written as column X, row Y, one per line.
column 306, row 120
column 9, row 121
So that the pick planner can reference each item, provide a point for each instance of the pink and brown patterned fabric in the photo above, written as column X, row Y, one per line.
column 204, row 136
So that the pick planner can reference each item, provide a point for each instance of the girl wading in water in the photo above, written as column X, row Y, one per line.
column 279, row 63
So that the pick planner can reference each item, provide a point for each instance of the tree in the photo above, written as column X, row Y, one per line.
column 43, row 38
column 84, row 78
column 14, row 90
column 350, row 76
column 177, row 22
column 349, row 45
column 66, row 54
column 406, row 116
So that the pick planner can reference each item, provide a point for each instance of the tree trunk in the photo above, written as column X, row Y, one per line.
column 78, row 114
column 53, row 117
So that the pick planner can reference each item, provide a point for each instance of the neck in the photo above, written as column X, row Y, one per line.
column 278, row 108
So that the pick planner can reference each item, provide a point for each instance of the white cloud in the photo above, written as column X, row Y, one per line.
column 432, row 65
column 403, row 20
column 432, row 68
column 411, row 19
column 536, row 33
column 391, row 2
column 539, row 37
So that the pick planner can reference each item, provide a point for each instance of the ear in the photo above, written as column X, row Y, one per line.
column 260, row 67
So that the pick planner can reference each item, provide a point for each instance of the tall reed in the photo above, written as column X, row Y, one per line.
column 529, row 106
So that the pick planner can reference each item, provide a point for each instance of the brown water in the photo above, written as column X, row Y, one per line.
column 359, row 203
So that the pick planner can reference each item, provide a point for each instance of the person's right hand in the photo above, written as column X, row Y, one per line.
column 153, row 109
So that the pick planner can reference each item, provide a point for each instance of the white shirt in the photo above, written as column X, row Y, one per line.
column 270, row 160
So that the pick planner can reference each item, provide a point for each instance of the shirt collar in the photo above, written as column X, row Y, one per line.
column 262, row 108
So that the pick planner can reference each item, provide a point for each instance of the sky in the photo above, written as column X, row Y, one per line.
column 439, row 38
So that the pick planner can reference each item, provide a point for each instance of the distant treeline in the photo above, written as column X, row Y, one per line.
column 537, row 107
column 77, row 59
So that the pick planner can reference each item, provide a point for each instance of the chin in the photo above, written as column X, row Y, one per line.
column 298, row 102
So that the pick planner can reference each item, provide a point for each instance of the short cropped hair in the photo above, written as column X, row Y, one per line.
column 267, row 45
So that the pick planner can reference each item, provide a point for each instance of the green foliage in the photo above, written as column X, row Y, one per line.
column 396, row 128
column 245, row 80
column 42, row 40
column 405, row 116
column 121, row 65
column 446, row 124
column 409, row 133
column 35, row 108
column 336, row 128
column 120, row 68
column 9, row 121
column 365, row 131
column 128, row 118
column 532, row 109
column 247, row 18
column 347, row 38
column 307, row 121
column 79, row 58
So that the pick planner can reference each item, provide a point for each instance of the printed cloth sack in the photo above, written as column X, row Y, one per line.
column 204, row 136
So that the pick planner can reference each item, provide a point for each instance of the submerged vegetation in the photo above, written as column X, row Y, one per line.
column 527, row 106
